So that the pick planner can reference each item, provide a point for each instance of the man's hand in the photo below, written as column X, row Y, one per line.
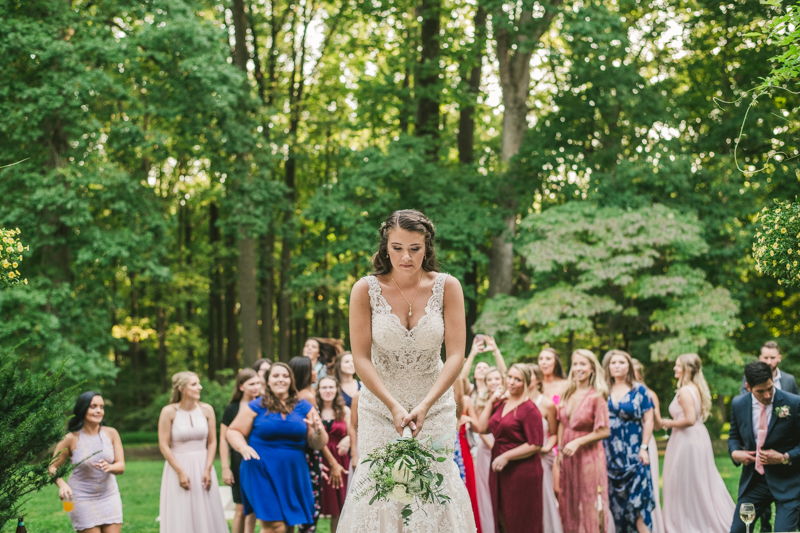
column 744, row 457
column 770, row 457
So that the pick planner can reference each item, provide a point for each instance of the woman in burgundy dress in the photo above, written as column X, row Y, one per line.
column 583, row 422
column 336, row 419
column 515, row 480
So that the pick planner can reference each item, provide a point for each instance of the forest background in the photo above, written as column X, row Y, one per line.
column 201, row 182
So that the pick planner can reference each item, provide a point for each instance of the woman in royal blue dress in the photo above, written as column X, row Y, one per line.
column 630, row 486
column 274, row 475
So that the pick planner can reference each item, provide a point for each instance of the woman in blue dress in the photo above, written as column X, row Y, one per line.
column 274, row 475
column 630, row 486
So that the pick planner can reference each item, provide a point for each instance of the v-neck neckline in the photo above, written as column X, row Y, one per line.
column 425, row 312
column 577, row 407
column 502, row 415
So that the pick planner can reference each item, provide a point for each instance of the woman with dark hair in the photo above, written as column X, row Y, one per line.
column 336, row 419
column 96, row 450
column 400, row 318
column 305, row 378
column 187, row 438
column 261, row 366
column 247, row 389
column 344, row 370
column 276, row 485
column 322, row 353
column 555, row 380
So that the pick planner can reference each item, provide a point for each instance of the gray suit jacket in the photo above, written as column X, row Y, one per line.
column 788, row 384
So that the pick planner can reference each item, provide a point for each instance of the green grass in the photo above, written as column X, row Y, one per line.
column 141, row 484
column 140, row 488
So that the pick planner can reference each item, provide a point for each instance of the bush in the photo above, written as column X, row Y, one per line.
column 33, row 420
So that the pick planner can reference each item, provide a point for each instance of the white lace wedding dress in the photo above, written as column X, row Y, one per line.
column 408, row 362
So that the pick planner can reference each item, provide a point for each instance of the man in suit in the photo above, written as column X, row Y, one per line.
column 765, row 439
column 771, row 354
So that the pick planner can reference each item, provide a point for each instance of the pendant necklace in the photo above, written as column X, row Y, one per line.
column 404, row 296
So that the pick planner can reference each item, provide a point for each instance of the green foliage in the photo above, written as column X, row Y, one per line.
column 784, row 30
column 608, row 277
column 777, row 245
column 33, row 420
column 11, row 249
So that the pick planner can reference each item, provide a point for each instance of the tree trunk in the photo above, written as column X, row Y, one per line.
column 471, row 297
column 161, row 332
column 231, row 319
column 427, row 86
column 248, row 286
column 214, row 297
column 284, row 298
column 514, row 50
column 472, row 76
column 268, row 295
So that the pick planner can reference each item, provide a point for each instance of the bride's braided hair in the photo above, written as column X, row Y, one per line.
column 409, row 220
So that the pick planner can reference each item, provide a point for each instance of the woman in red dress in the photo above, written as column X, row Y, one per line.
column 516, row 476
column 583, row 422
column 336, row 419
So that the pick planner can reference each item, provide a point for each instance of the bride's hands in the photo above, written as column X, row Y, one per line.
column 415, row 419
column 399, row 415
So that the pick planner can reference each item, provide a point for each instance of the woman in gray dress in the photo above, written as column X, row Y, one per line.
column 96, row 450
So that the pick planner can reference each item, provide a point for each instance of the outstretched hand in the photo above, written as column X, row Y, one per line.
column 415, row 419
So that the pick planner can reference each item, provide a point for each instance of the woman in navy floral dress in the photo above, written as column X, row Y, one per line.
column 630, row 486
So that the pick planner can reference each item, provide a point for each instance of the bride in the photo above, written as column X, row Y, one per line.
column 399, row 317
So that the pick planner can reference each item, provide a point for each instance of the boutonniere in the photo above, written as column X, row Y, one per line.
column 782, row 411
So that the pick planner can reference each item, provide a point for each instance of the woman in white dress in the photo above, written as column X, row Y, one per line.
column 398, row 319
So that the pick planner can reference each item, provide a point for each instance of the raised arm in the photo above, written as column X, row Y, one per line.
column 499, row 362
column 361, row 346
column 473, row 351
column 455, row 334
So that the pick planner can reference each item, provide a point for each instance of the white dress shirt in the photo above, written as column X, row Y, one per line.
column 756, row 411
column 776, row 379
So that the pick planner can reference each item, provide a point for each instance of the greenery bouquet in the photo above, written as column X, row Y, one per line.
column 777, row 246
column 403, row 471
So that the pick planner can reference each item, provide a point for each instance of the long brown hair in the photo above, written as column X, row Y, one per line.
column 630, row 378
column 243, row 376
column 409, row 220
column 338, row 401
column 558, row 369
column 271, row 402
column 337, row 366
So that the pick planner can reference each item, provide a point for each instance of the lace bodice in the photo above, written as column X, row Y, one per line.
column 408, row 361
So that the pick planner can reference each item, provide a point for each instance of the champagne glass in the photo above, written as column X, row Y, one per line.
column 747, row 512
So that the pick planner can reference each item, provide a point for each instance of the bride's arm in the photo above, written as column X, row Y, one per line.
column 361, row 346
column 455, row 335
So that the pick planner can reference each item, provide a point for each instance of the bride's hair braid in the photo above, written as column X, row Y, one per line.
column 409, row 220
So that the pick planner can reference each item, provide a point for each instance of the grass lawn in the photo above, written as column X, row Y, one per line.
column 140, row 486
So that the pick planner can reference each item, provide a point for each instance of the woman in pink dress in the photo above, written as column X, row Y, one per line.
column 695, row 497
column 483, row 453
column 552, row 520
column 336, row 419
column 583, row 423
column 187, row 437
column 553, row 384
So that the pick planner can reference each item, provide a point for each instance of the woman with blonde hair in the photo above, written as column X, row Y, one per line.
column 695, row 497
column 628, row 460
column 187, row 437
column 583, row 423
column 552, row 521
column 494, row 379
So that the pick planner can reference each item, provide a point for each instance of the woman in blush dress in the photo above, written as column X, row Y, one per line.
column 187, row 438
column 652, row 449
column 555, row 381
column 483, row 453
column 248, row 388
column 583, row 422
column 96, row 450
column 516, row 476
column 695, row 497
column 336, row 419
column 276, row 484
column 552, row 520
column 629, row 483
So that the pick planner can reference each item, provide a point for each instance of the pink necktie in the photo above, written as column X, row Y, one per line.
column 762, row 436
